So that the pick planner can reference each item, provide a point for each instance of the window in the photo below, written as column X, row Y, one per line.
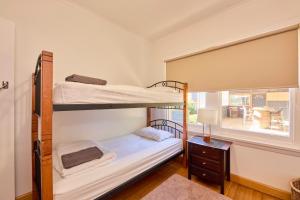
column 264, row 111
column 196, row 100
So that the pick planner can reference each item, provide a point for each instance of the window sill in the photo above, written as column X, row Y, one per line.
column 267, row 144
column 261, row 132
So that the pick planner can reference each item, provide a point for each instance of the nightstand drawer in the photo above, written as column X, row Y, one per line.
column 207, row 152
column 205, row 174
column 205, row 163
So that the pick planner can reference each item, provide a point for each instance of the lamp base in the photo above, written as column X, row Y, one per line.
column 206, row 139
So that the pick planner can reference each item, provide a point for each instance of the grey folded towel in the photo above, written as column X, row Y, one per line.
column 76, row 158
column 85, row 79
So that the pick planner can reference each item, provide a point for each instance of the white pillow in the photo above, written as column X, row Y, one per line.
column 153, row 133
column 62, row 149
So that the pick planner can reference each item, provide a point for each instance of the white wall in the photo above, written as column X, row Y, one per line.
column 7, row 164
column 263, row 166
column 82, row 43
column 247, row 19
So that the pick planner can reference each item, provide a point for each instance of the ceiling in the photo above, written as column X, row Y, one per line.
column 155, row 18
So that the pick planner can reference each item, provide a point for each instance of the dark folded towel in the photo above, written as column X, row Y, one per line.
column 85, row 79
column 76, row 158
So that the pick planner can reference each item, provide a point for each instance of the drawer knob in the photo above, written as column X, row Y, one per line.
column 203, row 174
column 204, row 152
column 204, row 163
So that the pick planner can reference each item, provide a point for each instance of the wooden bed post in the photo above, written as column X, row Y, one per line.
column 46, row 125
column 148, row 116
column 185, row 117
column 45, row 139
column 34, row 138
column 43, row 142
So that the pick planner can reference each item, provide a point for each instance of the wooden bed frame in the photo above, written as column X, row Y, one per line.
column 42, row 111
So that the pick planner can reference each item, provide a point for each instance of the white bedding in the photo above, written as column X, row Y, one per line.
column 78, row 93
column 62, row 149
column 134, row 155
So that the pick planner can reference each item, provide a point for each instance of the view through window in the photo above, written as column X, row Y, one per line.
column 196, row 100
column 260, row 111
column 264, row 111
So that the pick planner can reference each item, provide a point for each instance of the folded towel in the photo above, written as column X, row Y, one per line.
column 79, row 157
column 85, row 79
column 64, row 149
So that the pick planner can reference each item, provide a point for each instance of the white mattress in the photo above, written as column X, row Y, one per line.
column 78, row 93
column 134, row 155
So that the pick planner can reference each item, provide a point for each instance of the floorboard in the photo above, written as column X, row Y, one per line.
column 143, row 187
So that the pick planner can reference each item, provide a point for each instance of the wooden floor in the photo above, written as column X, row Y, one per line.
column 143, row 187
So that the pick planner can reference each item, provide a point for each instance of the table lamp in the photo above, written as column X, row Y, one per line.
column 209, row 117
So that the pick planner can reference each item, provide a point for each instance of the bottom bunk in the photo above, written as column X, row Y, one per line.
column 135, row 157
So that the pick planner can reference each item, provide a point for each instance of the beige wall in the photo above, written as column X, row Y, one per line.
column 82, row 43
column 247, row 19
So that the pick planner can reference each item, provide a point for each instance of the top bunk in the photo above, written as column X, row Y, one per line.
column 71, row 96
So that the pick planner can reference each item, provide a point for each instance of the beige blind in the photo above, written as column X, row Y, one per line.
column 266, row 62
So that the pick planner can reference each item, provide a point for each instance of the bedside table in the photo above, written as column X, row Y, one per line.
column 209, row 161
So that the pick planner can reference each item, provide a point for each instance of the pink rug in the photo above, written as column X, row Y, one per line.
column 180, row 188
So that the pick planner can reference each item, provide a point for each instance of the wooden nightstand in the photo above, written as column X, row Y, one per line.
column 209, row 161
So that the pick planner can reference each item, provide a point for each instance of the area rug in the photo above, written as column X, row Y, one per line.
column 180, row 188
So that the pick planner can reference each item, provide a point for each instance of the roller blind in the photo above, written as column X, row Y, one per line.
column 265, row 62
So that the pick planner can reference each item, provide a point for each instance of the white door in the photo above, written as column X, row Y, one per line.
column 7, row 170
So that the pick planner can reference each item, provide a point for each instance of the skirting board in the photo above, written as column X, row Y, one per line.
column 27, row 196
column 234, row 178
column 281, row 194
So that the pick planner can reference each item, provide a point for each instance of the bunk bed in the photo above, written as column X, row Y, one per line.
column 44, row 103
